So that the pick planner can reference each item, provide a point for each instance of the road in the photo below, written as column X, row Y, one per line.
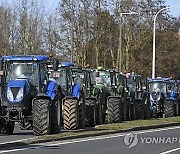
column 17, row 135
column 112, row 144
column 23, row 134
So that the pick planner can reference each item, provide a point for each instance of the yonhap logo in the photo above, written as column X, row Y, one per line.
column 130, row 140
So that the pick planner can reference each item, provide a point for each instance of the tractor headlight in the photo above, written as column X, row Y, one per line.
column 10, row 95
column 20, row 95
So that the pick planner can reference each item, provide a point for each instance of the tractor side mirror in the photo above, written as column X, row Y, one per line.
column 55, row 64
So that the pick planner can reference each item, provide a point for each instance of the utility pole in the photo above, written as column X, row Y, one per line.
column 120, row 39
column 72, row 32
column 154, row 39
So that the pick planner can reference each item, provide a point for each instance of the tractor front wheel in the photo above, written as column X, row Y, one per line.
column 90, row 112
column 169, row 108
column 113, row 109
column 7, row 127
column 70, row 114
column 41, row 117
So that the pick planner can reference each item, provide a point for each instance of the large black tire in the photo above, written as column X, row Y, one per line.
column 70, row 113
column 177, row 112
column 169, row 108
column 25, row 125
column 139, row 109
column 146, row 109
column 90, row 107
column 99, row 116
column 7, row 127
column 41, row 117
column 113, row 110
column 81, row 112
column 56, row 116
column 127, row 110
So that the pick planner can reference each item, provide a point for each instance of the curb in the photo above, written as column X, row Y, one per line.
column 26, row 142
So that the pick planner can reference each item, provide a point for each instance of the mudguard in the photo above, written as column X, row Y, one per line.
column 76, row 90
column 114, row 97
column 172, row 96
column 51, row 89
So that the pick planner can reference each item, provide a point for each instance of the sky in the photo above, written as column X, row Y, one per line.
column 51, row 4
column 175, row 11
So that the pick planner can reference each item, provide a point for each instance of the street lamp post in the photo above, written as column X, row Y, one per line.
column 72, row 33
column 120, row 37
column 154, row 39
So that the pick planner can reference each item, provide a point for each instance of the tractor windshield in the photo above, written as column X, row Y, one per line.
column 20, row 70
column 131, row 84
column 157, row 87
column 171, row 87
column 103, row 77
column 60, row 77
column 79, row 78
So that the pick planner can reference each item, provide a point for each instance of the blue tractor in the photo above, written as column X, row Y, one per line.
column 157, row 93
column 28, row 96
column 171, row 105
column 178, row 96
column 71, row 81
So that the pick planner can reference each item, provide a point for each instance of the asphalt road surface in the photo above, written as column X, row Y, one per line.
column 17, row 135
column 23, row 134
column 166, row 141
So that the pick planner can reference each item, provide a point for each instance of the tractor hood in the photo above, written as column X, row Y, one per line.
column 16, row 90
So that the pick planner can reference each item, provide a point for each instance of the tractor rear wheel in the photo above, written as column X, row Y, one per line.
column 7, row 127
column 41, row 117
column 99, row 116
column 25, row 125
column 71, row 116
column 139, row 109
column 128, row 110
column 56, row 116
column 90, row 112
column 113, row 109
column 169, row 108
column 81, row 113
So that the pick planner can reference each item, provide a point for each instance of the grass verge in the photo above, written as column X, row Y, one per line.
column 108, row 129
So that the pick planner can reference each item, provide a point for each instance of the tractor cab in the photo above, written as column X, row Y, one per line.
column 157, row 88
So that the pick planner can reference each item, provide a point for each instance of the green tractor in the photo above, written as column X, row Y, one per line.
column 135, row 97
column 116, row 101
column 100, row 91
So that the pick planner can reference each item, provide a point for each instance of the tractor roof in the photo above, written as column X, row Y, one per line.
column 25, row 58
column 178, row 81
column 172, row 81
column 66, row 64
column 158, row 79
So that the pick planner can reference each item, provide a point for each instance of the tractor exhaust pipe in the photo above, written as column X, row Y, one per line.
column 1, row 76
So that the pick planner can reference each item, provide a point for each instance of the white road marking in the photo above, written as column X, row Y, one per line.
column 170, row 151
column 89, row 139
